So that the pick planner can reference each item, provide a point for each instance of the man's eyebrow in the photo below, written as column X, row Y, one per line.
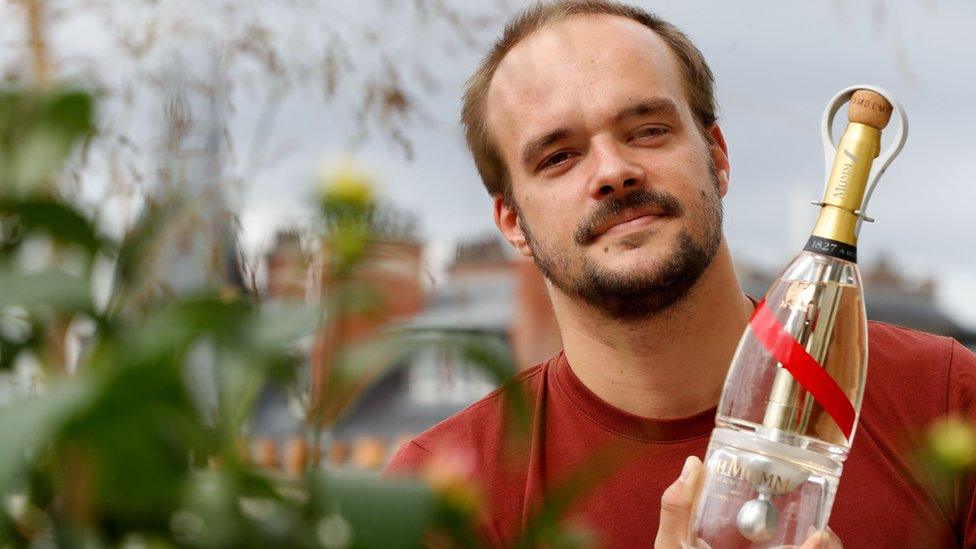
column 657, row 105
column 536, row 145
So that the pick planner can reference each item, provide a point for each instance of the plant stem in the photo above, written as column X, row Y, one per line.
column 38, row 47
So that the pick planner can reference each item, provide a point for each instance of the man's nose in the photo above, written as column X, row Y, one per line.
column 615, row 173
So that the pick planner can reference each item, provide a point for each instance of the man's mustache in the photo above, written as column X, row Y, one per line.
column 613, row 207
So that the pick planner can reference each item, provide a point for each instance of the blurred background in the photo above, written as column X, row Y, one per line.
column 251, row 107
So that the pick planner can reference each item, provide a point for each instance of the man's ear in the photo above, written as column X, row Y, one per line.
column 507, row 220
column 720, row 156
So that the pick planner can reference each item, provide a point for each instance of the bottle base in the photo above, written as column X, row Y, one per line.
column 761, row 493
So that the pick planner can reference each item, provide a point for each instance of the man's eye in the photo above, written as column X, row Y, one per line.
column 555, row 160
column 652, row 131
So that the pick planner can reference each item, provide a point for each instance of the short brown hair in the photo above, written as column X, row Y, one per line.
column 699, row 81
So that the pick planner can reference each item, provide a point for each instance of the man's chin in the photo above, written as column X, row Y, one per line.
column 656, row 243
column 639, row 239
column 624, row 262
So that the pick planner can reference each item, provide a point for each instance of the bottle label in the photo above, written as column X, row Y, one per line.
column 765, row 474
column 833, row 248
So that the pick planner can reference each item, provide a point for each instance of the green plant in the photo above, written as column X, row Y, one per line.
column 114, row 444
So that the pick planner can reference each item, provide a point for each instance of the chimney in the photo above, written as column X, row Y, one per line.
column 534, row 332
column 287, row 266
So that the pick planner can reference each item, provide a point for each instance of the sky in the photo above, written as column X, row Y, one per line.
column 776, row 65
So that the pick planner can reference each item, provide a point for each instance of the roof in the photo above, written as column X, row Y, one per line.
column 476, row 301
column 386, row 410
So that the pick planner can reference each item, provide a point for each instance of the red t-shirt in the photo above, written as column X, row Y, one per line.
column 913, row 378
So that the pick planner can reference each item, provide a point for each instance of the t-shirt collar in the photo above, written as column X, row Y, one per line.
column 625, row 423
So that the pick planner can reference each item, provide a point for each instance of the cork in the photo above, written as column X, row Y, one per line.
column 869, row 108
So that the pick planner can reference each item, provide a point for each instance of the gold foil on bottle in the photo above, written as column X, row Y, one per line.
column 857, row 148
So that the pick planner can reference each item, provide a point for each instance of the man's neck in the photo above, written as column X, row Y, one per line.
column 667, row 366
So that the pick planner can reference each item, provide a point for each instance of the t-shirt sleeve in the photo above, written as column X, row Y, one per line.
column 962, row 403
column 409, row 460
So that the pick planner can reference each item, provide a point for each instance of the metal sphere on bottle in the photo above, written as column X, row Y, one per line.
column 758, row 519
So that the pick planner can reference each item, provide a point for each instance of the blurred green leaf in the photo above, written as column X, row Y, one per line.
column 379, row 513
column 26, row 425
column 177, row 325
column 10, row 350
column 952, row 444
column 235, row 508
column 264, row 342
column 37, row 133
column 135, row 257
column 239, row 382
column 281, row 327
column 61, row 221
column 945, row 454
column 135, row 440
column 55, row 289
column 348, row 243
column 13, row 343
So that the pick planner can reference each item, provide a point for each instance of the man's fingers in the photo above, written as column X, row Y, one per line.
column 676, row 506
column 825, row 539
column 676, row 510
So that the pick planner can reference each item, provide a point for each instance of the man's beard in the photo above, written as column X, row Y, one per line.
column 632, row 297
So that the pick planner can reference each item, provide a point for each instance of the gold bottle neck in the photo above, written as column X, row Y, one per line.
column 857, row 149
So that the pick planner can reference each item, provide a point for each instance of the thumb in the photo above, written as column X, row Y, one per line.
column 676, row 506
column 825, row 539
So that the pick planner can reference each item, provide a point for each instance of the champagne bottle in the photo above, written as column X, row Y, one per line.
column 789, row 409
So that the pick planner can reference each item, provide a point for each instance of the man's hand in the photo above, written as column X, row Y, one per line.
column 676, row 507
column 676, row 510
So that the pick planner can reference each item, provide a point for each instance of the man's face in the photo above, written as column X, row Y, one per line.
column 615, row 192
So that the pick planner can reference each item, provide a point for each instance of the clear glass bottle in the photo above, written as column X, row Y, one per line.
column 788, row 412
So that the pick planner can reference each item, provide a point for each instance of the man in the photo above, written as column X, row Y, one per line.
column 593, row 126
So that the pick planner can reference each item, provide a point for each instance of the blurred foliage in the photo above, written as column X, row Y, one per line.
column 131, row 429
column 946, row 455
column 116, row 443
column 952, row 444
column 38, row 131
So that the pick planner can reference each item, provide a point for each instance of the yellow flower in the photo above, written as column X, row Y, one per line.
column 347, row 185
column 953, row 443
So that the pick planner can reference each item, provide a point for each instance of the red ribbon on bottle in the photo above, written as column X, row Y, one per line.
column 803, row 367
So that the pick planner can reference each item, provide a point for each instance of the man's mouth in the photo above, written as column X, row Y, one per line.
column 629, row 220
column 633, row 224
column 629, row 213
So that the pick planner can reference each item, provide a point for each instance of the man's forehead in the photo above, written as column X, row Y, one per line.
column 564, row 62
